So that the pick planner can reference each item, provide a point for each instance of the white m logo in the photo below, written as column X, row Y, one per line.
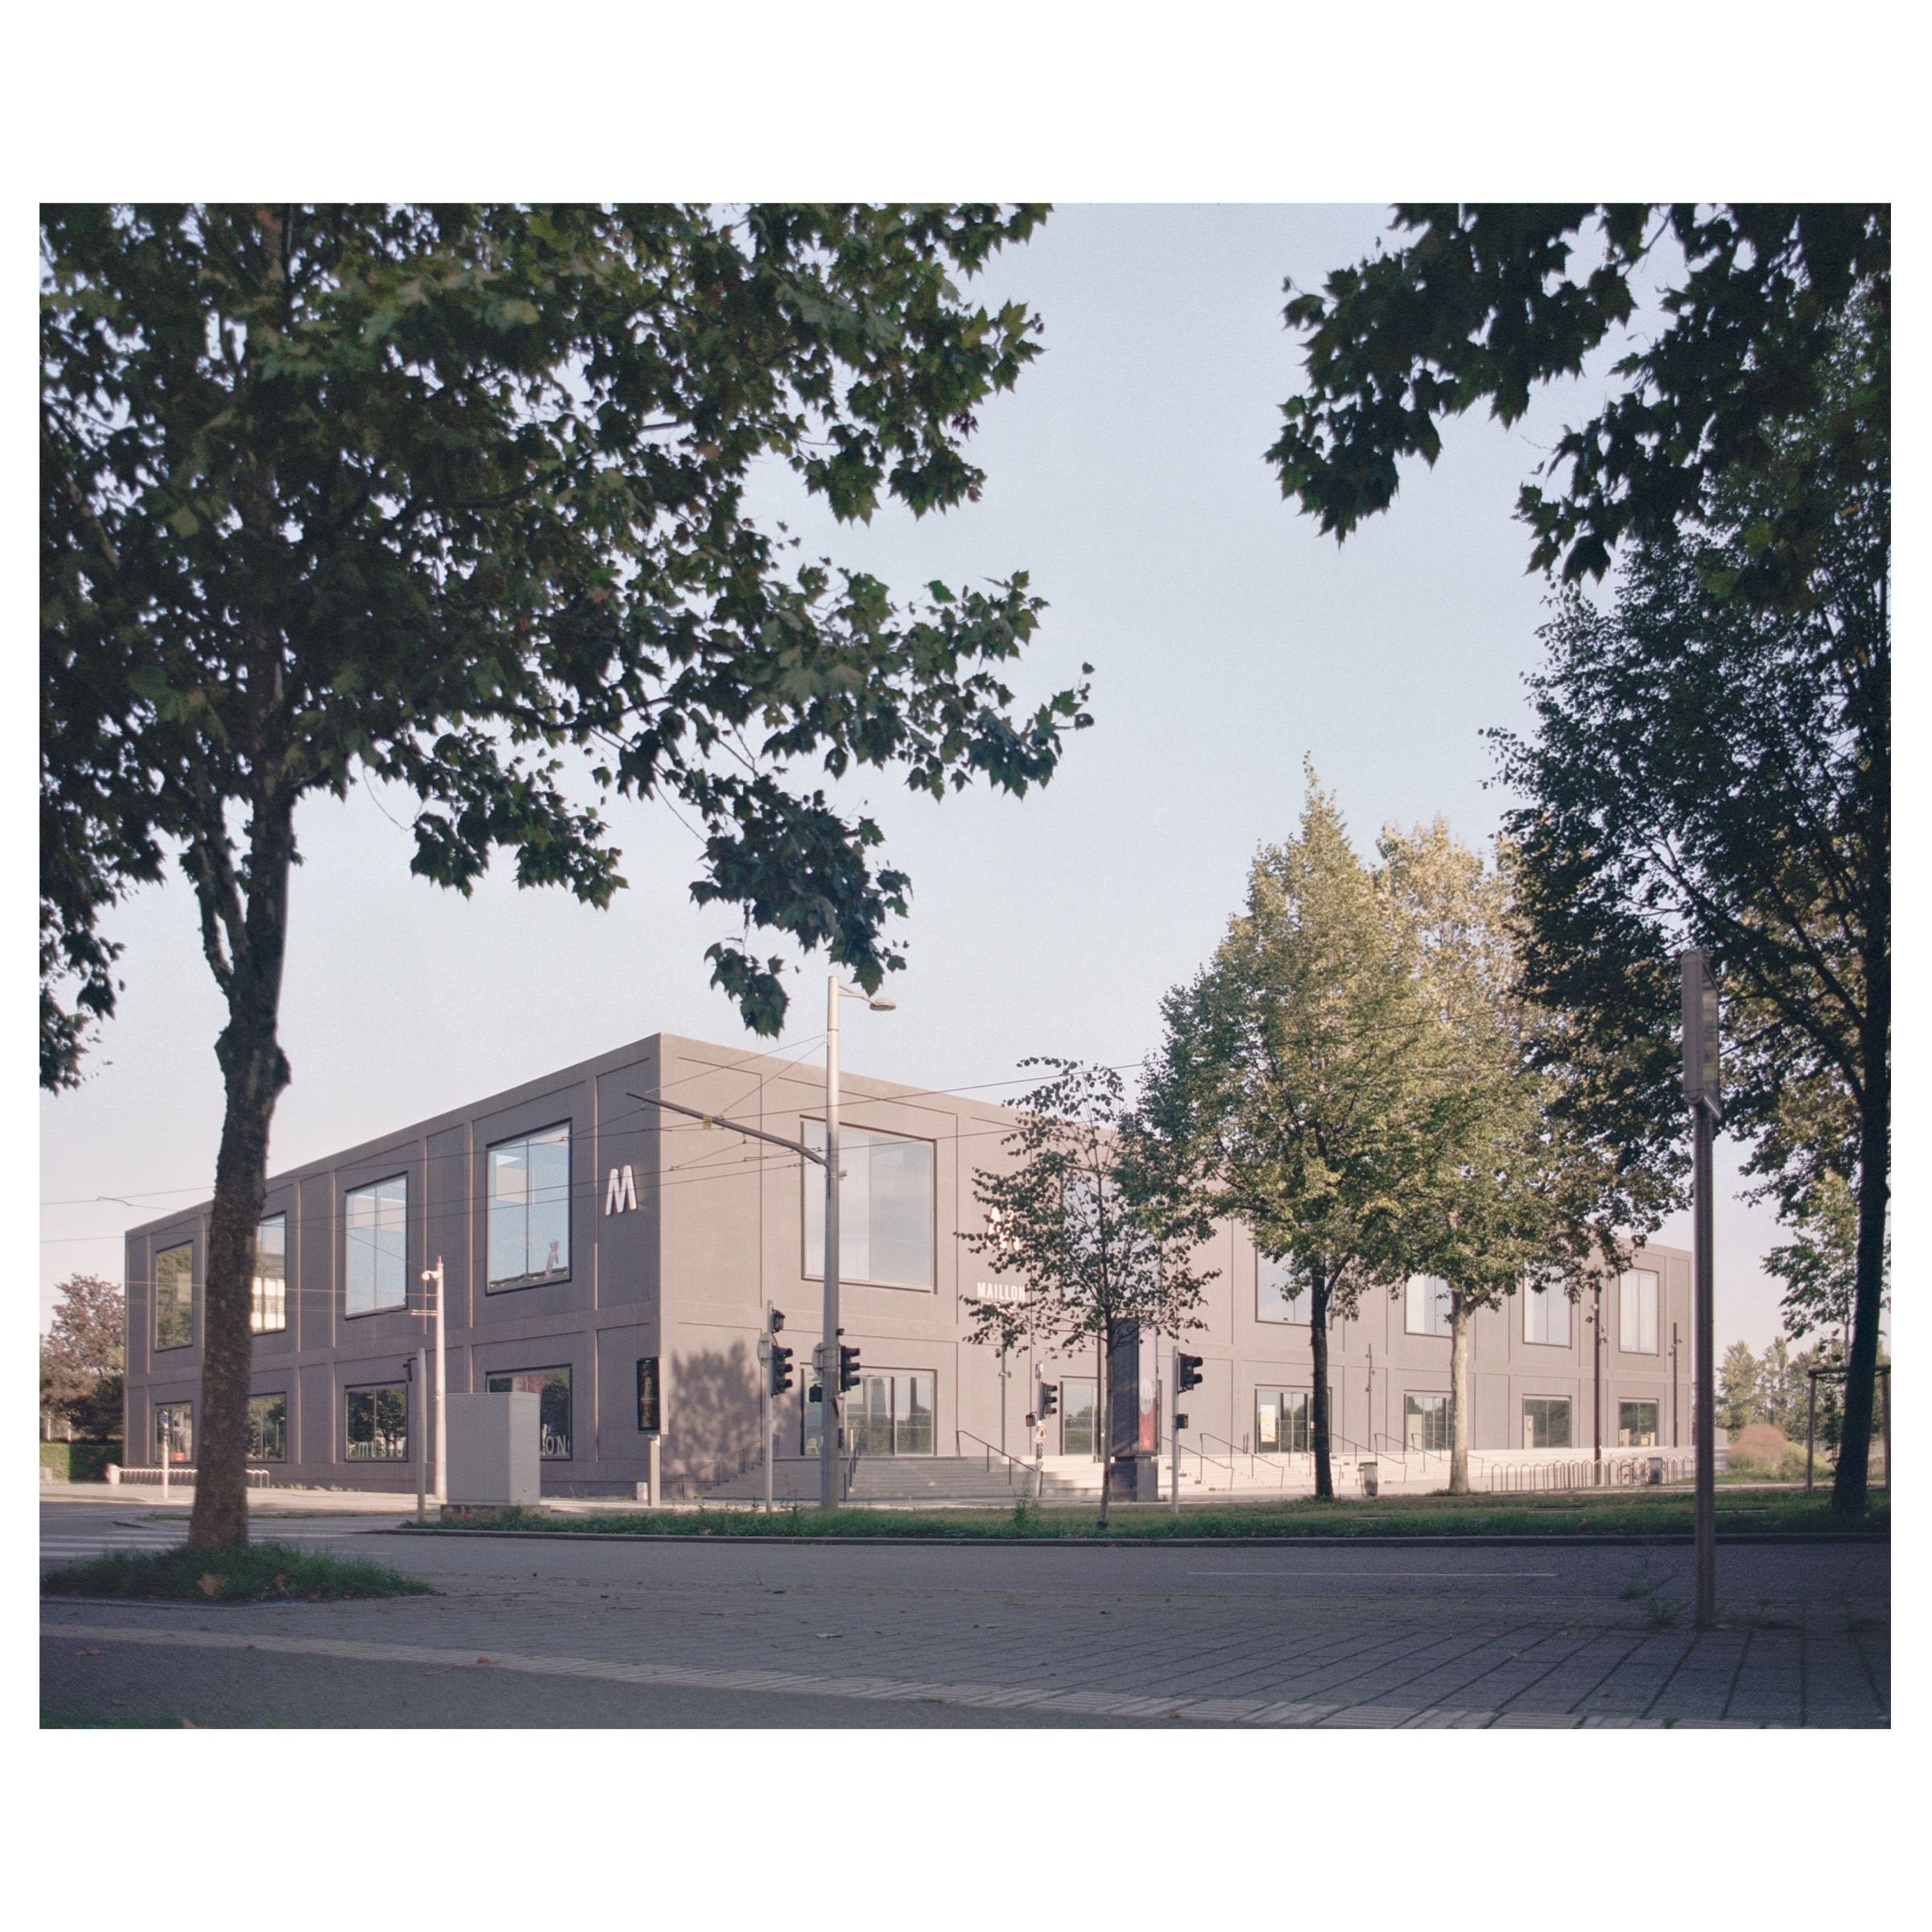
column 622, row 1195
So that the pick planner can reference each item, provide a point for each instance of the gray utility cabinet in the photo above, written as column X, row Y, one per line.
column 494, row 1448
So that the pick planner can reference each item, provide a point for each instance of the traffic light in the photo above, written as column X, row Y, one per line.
column 848, row 1369
column 776, row 1319
column 781, row 1369
column 1187, row 1372
column 1050, row 1400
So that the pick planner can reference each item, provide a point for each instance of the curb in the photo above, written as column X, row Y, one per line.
column 1613, row 1539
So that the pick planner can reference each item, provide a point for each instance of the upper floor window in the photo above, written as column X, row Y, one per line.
column 374, row 1221
column 1637, row 1311
column 885, row 1209
column 529, row 1209
column 1425, row 1305
column 1546, row 1316
column 268, row 1293
column 1280, row 1293
column 174, row 1297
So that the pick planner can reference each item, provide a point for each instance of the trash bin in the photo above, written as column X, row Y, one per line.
column 1371, row 1479
column 1657, row 1469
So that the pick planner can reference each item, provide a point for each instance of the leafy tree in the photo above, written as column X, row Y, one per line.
column 1096, row 1220
column 83, row 1355
column 1489, row 302
column 1297, row 1068
column 1737, row 1388
column 441, row 494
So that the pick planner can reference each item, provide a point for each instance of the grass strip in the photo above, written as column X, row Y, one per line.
column 1391, row 1518
column 264, row 1572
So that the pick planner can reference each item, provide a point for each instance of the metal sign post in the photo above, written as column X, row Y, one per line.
column 165, row 1419
column 422, row 1382
column 1702, row 1091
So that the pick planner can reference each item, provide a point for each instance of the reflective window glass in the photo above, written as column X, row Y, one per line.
column 1425, row 1305
column 1637, row 1425
column 1546, row 1316
column 268, row 1428
column 377, row 1429
column 374, row 1226
column 175, row 1297
column 1425, row 1422
column 529, row 1209
column 1280, row 1295
column 1079, row 1407
column 268, row 1293
column 1637, row 1311
column 552, row 1388
column 885, row 1209
column 889, row 1413
column 175, row 1426
column 1546, row 1422
column 1281, row 1421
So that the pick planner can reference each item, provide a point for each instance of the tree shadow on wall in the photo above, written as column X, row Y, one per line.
column 711, row 1430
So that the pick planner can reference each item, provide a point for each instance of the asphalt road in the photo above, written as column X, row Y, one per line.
column 774, row 1635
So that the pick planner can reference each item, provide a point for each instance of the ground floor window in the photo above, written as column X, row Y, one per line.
column 649, row 1415
column 1281, row 1421
column 1080, row 1411
column 552, row 1388
column 175, row 1426
column 378, row 1424
column 268, row 1428
column 1425, row 1422
column 1637, row 1425
column 888, row 1414
column 1546, row 1422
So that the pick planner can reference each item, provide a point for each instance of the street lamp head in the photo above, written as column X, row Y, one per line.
column 883, row 1005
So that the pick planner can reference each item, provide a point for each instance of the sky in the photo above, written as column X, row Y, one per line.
column 1231, row 643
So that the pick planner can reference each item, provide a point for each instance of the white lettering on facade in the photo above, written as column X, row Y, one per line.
column 622, row 1195
column 998, row 1291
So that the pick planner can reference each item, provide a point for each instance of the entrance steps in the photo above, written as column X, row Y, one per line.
column 935, row 1479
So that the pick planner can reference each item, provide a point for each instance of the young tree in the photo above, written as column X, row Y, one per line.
column 438, row 492
column 1737, row 1388
column 1095, row 1221
column 83, row 1356
column 1297, row 1066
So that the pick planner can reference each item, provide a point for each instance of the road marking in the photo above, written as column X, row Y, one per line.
column 1342, row 1576
column 1001, row 1697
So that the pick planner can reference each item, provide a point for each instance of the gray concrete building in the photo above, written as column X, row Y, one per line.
column 618, row 1262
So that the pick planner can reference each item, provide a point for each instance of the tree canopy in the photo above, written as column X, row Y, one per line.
column 84, row 1355
column 1489, row 302
column 444, row 493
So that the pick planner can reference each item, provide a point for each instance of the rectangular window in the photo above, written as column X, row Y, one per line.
column 1425, row 1422
column 649, row 1415
column 1080, row 1408
column 552, row 1388
column 378, row 1424
column 885, row 1209
column 268, row 1428
column 1637, row 1425
column 1425, row 1305
column 1546, row 1316
column 268, row 1293
column 1546, row 1422
column 887, row 1414
column 1637, row 1311
column 374, row 1219
column 1280, row 1295
column 1281, row 1421
column 175, row 1297
column 175, row 1426
column 529, row 1209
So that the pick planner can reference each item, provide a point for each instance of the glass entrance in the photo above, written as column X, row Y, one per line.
column 1079, row 1409
column 887, row 1414
column 1281, row 1421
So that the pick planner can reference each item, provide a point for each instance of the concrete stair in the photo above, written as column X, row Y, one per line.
column 936, row 1480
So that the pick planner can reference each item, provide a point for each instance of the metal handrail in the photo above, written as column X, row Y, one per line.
column 993, row 1449
column 1208, row 1435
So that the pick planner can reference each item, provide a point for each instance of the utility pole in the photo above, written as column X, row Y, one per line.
column 1702, row 1090
column 831, row 1394
column 442, row 1380
column 1674, row 1437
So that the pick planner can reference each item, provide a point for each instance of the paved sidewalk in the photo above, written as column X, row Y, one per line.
column 1337, row 1638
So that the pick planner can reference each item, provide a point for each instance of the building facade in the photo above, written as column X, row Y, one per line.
column 617, row 1261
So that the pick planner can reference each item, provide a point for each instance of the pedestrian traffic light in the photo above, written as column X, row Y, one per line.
column 781, row 1369
column 1050, row 1400
column 1187, row 1372
column 848, row 1369
column 776, row 1319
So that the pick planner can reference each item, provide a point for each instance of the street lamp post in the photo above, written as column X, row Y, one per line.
column 1701, row 1089
column 442, row 1388
column 831, row 1394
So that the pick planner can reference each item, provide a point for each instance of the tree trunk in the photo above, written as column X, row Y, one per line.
column 1459, row 1312
column 1103, row 1415
column 254, row 1072
column 1848, row 1486
column 1318, row 1402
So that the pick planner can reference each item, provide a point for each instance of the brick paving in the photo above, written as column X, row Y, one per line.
column 1340, row 1638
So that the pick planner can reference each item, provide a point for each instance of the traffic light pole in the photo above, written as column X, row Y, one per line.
column 764, row 1404
column 1174, row 1428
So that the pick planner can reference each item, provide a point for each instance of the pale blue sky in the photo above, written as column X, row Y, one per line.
column 1229, row 640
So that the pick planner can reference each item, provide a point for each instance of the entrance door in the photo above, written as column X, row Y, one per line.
column 1080, row 1411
